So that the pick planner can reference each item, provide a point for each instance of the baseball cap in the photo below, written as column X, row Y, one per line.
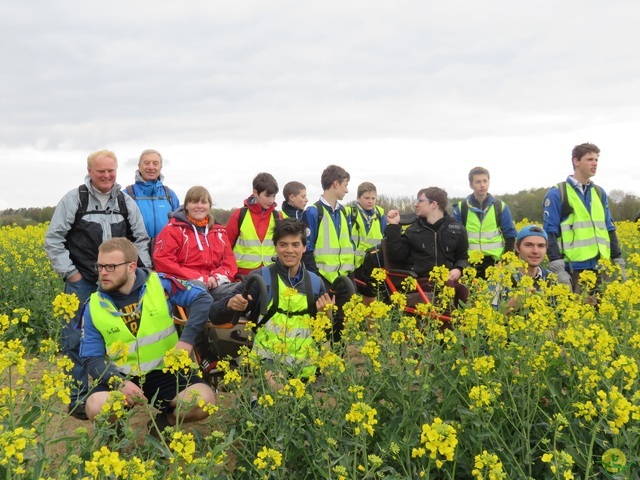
column 531, row 231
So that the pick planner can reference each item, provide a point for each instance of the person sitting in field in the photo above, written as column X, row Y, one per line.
column 284, row 334
column 531, row 247
column 193, row 247
column 133, row 305
column 434, row 239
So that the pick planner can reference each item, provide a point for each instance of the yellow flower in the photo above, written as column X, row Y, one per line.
column 178, row 359
column 184, row 445
column 440, row 439
column 363, row 416
column 488, row 466
column 268, row 459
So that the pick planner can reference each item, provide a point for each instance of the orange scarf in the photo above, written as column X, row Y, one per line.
column 199, row 223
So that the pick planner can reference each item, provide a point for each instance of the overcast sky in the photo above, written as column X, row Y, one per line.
column 403, row 93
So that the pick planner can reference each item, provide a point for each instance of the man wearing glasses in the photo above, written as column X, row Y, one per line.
column 85, row 217
column 434, row 239
column 133, row 306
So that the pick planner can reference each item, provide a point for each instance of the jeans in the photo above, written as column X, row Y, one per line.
column 70, row 340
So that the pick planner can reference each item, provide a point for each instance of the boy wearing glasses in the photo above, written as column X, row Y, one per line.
column 434, row 239
column 133, row 306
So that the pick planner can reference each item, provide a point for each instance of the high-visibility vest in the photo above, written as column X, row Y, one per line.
column 156, row 333
column 286, row 336
column 334, row 256
column 485, row 235
column 583, row 234
column 362, row 239
column 250, row 252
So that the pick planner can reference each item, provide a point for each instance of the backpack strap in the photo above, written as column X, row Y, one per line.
column 497, row 207
column 130, row 191
column 83, row 209
column 464, row 212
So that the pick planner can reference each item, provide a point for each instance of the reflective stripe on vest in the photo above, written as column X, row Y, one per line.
column 334, row 256
column 156, row 333
column 485, row 234
column 286, row 337
column 250, row 252
column 583, row 234
column 361, row 238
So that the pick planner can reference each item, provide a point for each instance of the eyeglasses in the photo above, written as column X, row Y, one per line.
column 420, row 200
column 110, row 267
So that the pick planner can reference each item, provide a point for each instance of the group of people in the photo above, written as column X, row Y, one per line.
column 131, row 255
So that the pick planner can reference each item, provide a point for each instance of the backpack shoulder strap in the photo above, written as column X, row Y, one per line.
column 320, row 207
column 464, row 212
column 167, row 192
column 83, row 194
column 311, row 298
column 275, row 294
column 130, row 191
column 243, row 213
column 497, row 207
column 565, row 208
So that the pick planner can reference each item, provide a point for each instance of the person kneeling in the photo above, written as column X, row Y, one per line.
column 294, row 295
column 133, row 306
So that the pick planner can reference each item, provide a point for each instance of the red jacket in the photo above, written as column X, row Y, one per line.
column 178, row 252
column 259, row 218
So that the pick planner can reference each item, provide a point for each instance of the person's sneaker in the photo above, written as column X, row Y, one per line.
column 158, row 425
column 78, row 410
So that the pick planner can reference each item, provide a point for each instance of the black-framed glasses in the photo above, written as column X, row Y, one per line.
column 109, row 267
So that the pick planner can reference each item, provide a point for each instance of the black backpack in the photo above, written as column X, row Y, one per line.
column 83, row 209
column 566, row 209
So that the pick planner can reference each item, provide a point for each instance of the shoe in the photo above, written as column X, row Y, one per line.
column 158, row 425
column 79, row 411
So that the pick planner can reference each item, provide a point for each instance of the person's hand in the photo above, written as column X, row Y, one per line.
column 238, row 303
column 212, row 282
column 393, row 217
column 557, row 267
column 133, row 393
column 184, row 346
column 75, row 278
column 623, row 267
column 454, row 274
column 324, row 301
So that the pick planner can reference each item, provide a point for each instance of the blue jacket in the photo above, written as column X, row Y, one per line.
column 154, row 205
column 552, row 210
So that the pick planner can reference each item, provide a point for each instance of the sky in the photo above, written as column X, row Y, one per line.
column 405, row 93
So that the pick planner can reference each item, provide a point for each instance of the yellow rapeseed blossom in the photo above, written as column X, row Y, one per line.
column 439, row 439
column 378, row 276
column 65, row 306
column 476, row 257
column 487, row 466
column 363, row 416
column 294, row 388
column 105, row 462
column 13, row 446
column 268, row 459
column 183, row 445
column 178, row 360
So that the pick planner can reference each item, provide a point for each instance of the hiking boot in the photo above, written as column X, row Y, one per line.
column 158, row 425
column 78, row 410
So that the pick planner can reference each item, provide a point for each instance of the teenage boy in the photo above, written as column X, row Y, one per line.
column 250, row 228
column 488, row 221
column 330, row 251
column 295, row 200
column 133, row 306
column 531, row 247
column 368, row 223
column 434, row 239
column 578, row 221
column 284, row 335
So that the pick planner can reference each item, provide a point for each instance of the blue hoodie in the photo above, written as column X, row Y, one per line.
column 152, row 200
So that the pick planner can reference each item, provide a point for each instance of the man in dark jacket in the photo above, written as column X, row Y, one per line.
column 434, row 239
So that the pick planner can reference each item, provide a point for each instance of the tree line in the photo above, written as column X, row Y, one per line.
column 524, row 204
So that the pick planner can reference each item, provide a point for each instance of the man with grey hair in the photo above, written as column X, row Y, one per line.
column 86, row 216
column 154, row 199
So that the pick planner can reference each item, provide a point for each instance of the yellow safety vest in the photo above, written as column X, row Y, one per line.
column 485, row 234
column 286, row 337
column 156, row 333
column 334, row 256
column 250, row 252
column 583, row 234
column 362, row 239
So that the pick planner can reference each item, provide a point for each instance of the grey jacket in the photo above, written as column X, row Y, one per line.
column 55, row 244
